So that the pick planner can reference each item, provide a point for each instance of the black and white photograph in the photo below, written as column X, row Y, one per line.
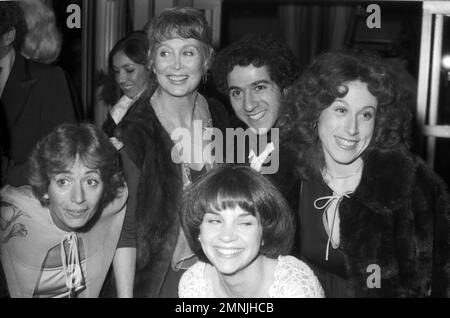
column 225, row 152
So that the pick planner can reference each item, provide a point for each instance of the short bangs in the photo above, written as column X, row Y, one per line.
column 228, row 187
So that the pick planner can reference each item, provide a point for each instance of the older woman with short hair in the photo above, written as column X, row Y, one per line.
column 374, row 219
column 59, row 235
column 180, row 54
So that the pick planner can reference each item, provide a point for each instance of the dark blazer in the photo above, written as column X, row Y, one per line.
column 36, row 98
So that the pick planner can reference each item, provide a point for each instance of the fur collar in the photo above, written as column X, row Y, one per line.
column 387, row 180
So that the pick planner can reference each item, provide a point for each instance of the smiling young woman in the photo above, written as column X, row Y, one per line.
column 241, row 228
column 127, row 78
column 365, row 199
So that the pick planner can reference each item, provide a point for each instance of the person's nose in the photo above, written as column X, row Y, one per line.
column 121, row 77
column 177, row 62
column 250, row 102
column 78, row 195
column 352, row 125
column 227, row 233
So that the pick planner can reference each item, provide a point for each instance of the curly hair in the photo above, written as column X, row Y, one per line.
column 43, row 41
column 12, row 16
column 322, row 82
column 281, row 64
column 231, row 186
column 182, row 23
column 135, row 47
column 60, row 148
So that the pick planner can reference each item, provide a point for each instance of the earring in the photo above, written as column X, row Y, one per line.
column 205, row 78
column 314, row 125
column 45, row 196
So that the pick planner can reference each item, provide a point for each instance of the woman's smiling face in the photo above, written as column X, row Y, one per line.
column 230, row 239
column 179, row 66
column 131, row 77
column 346, row 127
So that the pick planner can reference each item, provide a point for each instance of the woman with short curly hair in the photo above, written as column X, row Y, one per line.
column 59, row 236
column 373, row 218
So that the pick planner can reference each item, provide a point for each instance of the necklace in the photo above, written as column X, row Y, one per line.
column 169, row 126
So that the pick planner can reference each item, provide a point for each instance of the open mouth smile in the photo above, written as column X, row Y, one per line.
column 228, row 252
column 177, row 78
column 77, row 212
column 346, row 144
column 257, row 116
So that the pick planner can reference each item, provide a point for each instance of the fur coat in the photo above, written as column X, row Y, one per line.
column 398, row 219
column 159, row 187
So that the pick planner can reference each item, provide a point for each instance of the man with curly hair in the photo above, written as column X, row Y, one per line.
column 34, row 97
column 255, row 73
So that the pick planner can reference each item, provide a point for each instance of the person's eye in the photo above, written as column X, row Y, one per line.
column 213, row 221
column 92, row 182
column 62, row 182
column 248, row 221
column 235, row 93
column 367, row 115
column 188, row 53
column 260, row 87
column 129, row 70
column 340, row 110
column 163, row 53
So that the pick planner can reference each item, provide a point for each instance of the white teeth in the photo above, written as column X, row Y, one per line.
column 228, row 251
column 346, row 144
column 76, row 211
column 257, row 116
column 177, row 77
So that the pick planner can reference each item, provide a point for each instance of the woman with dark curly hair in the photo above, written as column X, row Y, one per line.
column 374, row 219
column 59, row 236
column 241, row 228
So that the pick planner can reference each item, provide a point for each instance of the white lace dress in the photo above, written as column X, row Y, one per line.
column 293, row 279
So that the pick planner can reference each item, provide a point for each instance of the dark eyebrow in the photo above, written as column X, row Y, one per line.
column 256, row 83
column 61, row 172
column 233, row 87
column 69, row 172
column 93, row 171
column 243, row 214
column 341, row 100
column 261, row 82
column 125, row 65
